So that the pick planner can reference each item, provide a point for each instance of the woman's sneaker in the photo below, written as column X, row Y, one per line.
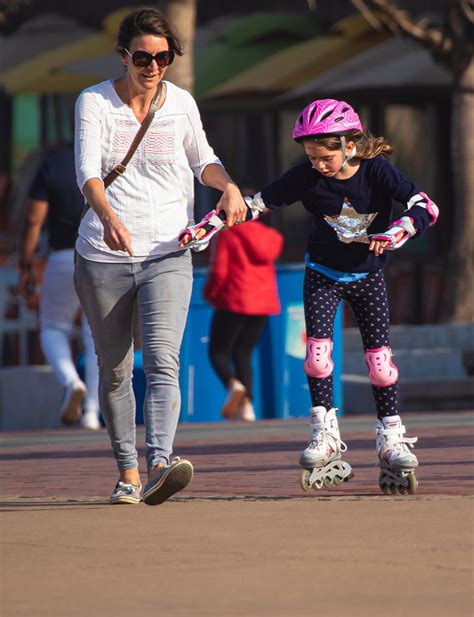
column 168, row 481
column 126, row 493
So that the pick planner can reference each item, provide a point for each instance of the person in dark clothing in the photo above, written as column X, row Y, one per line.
column 55, row 201
column 242, row 261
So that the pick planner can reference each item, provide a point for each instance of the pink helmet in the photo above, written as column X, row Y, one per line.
column 326, row 117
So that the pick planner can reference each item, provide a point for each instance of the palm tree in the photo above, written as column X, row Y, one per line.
column 182, row 14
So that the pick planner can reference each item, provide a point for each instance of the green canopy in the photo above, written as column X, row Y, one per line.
column 246, row 42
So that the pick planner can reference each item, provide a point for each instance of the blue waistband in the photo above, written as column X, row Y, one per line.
column 335, row 275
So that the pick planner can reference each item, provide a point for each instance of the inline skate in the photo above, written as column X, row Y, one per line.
column 396, row 462
column 323, row 467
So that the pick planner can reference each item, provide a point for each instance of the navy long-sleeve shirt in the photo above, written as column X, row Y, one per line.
column 345, row 212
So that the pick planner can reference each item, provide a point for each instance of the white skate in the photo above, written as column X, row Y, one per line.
column 395, row 460
column 322, row 458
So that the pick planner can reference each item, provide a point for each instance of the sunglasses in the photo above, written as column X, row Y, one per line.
column 143, row 58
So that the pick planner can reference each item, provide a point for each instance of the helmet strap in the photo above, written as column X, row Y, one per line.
column 345, row 158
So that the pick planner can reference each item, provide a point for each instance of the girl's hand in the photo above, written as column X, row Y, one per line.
column 187, row 238
column 378, row 246
column 233, row 205
column 116, row 235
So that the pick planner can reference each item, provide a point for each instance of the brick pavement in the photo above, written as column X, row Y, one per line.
column 243, row 540
column 238, row 460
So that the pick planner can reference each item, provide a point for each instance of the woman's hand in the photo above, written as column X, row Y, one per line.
column 378, row 246
column 233, row 205
column 116, row 235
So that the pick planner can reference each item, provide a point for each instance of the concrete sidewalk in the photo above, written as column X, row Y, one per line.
column 243, row 539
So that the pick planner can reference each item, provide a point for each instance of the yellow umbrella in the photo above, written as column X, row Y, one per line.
column 44, row 74
column 297, row 64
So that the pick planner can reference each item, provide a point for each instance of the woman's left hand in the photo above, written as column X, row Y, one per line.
column 233, row 205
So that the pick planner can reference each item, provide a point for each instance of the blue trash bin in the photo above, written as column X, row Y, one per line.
column 202, row 393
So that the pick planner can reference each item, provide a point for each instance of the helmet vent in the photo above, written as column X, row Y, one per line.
column 326, row 115
column 344, row 110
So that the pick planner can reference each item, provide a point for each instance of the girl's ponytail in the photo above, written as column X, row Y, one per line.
column 369, row 146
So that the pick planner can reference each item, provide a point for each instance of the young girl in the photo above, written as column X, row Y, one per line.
column 347, row 185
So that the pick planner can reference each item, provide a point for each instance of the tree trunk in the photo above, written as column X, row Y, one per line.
column 459, row 297
column 182, row 15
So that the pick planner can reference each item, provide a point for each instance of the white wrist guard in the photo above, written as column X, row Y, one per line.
column 397, row 234
column 211, row 223
column 256, row 205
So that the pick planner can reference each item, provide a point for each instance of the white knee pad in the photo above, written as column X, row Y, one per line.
column 382, row 371
column 318, row 362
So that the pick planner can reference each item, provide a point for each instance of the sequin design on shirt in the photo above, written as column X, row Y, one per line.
column 350, row 225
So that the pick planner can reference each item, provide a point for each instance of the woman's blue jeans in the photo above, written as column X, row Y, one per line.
column 110, row 293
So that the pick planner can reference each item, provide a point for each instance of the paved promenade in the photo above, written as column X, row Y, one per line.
column 243, row 539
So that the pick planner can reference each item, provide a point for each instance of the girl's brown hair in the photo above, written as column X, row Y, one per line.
column 368, row 146
column 147, row 20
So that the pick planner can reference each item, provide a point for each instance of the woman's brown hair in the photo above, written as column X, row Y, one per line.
column 368, row 146
column 147, row 20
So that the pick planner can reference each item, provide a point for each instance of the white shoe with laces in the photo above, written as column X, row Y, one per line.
column 325, row 444
column 393, row 449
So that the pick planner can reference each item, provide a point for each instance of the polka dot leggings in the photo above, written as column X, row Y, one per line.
column 367, row 298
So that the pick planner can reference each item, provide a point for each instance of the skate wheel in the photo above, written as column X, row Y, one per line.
column 385, row 489
column 402, row 489
column 412, row 484
column 393, row 489
column 327, row 483
column 338, row 480
column 304, row 480
column 318, row 485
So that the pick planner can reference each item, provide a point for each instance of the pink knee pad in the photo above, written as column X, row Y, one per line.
column 318, row 362
column 382, row 371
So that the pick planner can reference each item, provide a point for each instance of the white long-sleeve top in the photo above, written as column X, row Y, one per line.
column 154, row 198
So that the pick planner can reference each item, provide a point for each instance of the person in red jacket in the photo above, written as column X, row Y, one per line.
column 242, row 287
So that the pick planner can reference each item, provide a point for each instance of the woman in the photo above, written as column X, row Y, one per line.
column 128, row 251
